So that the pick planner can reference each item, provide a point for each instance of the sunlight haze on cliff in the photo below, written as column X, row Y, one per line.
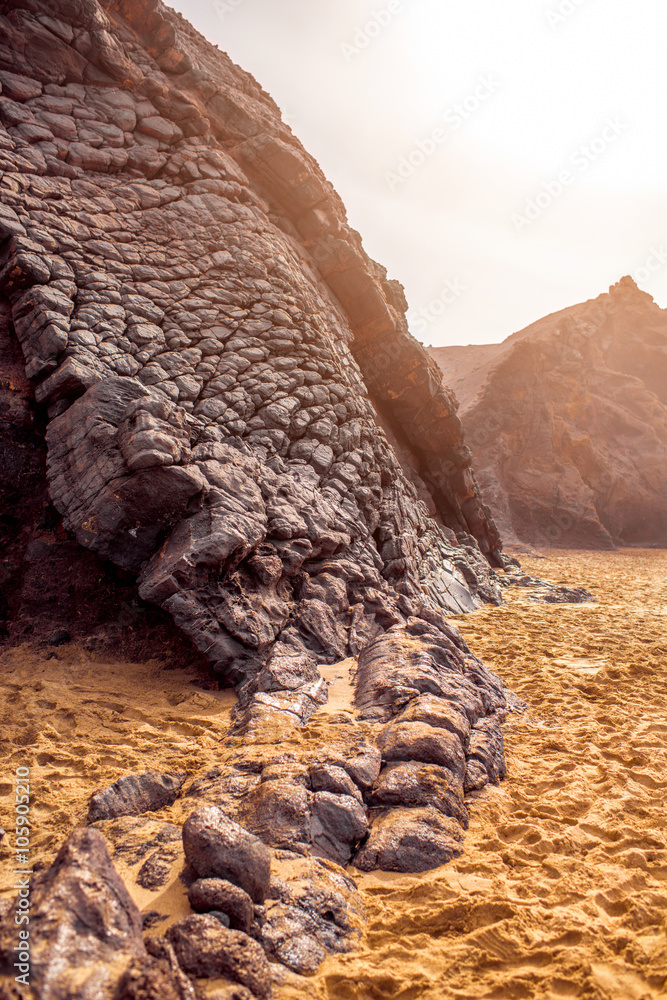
column 502, row 161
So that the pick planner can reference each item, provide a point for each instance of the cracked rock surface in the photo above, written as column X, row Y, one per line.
column 233, row 417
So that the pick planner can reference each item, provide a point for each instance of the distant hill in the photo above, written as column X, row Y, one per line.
column 567, row 422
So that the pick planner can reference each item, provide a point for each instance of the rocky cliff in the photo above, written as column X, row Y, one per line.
column 567, row 421
column 219, row 440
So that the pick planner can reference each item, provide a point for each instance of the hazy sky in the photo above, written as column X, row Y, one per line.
column 502, row 159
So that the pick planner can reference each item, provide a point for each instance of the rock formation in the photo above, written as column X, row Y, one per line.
column 234, row 419
column 567, row 421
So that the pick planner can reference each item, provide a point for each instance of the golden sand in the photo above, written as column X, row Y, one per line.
column 562, row 889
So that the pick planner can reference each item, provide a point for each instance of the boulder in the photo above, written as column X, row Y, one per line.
column 217, row 847
column 416, row 784
column 134, row 794
column 410, row 840
column 207, row 950
column 419, row 741
column 338, row 824
column 85, row 930
column 208, row 894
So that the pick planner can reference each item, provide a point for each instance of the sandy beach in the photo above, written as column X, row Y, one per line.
column 562, row 888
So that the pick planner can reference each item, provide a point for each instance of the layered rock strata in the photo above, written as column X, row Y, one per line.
column 212, row 369
column 567, row 420
column 208, row 338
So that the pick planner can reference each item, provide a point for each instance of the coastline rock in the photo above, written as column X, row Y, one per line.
column 207, row 950
column 567, row 423
column 134, row 794
column 217, row 847
column 410, row 840
column 84, row 927
column 211, row 395
column 208, row 894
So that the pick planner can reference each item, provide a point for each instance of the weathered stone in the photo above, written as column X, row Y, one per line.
column 420, row 742
column 205, row 949
column 338, row 824
column 278, row 812
column 417, row 784
column 328, row 778
column 134, row 794
column 84, row 927
column 440, row 713
column 313, row 908
column 581, row 396
column 211, row 343
column 208, row 894
column 410, row 840
column 486, row 756
column 217, row 847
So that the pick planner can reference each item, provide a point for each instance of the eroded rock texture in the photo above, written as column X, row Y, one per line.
column 219, row 382
column 568, row 423
column 209, row 339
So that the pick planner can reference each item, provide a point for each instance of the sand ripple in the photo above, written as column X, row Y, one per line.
column 562, row 890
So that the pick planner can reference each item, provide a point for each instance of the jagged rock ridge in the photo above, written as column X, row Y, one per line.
column 568, row 423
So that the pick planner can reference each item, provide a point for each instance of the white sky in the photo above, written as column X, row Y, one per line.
column 451, row 232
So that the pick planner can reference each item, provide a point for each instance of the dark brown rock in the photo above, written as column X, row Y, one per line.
column 205, row 949
column 440, row 713
column 237, row 422
column 338, row 824
column 397, row 667
column 147, row 979
column 421, row 742
column 278, row 811
column 410, row 840
column 486, row 755
column 313, row 909
column 417, row 784
column 217, row 847
column 208, row 894
column 84, row 927
column 134, row 794
column 159, row 948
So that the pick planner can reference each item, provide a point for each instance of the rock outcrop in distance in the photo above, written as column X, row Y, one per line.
column 567, row 421
column 209, row 392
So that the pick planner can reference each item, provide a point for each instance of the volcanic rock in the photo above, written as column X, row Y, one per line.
column 209, row 403
column 134, row 794
column 84, row 927
column 208, row 894
column 205, row 949
column 410, row 840
column 417, row 784
column 421, row 742
column 313, row 908
column 567, row 422
column 217, row 847
column 216, row 430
